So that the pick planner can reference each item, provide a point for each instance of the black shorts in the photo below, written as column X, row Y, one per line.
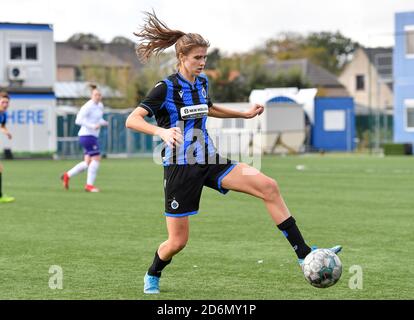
column 183, row 185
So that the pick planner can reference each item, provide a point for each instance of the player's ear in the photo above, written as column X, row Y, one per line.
column 181, row 57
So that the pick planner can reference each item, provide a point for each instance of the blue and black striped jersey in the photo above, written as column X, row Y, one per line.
column 176, row 102
column 3, row 118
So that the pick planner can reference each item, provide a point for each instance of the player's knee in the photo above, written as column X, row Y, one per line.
column 178, row 245
column 270, row 189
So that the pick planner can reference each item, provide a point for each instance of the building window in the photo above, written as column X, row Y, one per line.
column 31, row 51
column 16, row 52
column 360, row 82
column 409, row 41
column 334, row 120
column 78, row 74
column 239, row 123
column 23, row 51
column 409, row 114
column 227, row 123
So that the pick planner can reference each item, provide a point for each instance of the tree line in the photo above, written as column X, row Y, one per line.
column 234, row 76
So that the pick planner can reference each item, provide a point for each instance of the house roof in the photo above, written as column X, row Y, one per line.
column 372, row 52
column 381, row 59
column 124, row 52
column 69, row 55
column 26, row 26
column 81, row 90
column 318, row 76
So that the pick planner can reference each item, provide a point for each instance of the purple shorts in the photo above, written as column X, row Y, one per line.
column 90, row 145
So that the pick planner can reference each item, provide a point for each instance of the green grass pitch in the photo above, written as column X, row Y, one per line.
column 105, row 242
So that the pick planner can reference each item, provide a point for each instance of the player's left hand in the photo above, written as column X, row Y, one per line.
column 9, row 136
column 255, row 110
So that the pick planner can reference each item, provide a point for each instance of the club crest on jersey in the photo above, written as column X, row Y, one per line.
column 193, row 112
column 175, row 204
column 204, row 93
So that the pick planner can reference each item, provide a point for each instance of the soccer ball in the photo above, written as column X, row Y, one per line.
column 322, row 268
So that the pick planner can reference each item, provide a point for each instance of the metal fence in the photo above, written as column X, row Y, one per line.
column 114, row 140
column 373, row 130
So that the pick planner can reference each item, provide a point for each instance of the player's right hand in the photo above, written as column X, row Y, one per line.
column 172, row 137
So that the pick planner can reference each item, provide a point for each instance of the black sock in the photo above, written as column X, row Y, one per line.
column 1, row 193
column 157, row 266
column 292, row 233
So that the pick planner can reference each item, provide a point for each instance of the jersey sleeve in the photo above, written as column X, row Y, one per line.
column 155, row 99
column 102, row 121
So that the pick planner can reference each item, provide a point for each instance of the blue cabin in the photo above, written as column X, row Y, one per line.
column 333, row 128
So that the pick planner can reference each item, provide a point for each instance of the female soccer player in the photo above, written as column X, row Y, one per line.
column 4, row 104
column 181, row 105
column 90, row 118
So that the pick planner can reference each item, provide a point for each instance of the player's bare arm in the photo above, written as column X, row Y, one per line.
column 222, row 112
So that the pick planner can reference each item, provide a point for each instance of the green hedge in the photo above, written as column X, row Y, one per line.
column 8, row 154
column 397, row 148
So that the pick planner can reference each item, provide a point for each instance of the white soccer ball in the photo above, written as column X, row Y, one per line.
column 322, row 268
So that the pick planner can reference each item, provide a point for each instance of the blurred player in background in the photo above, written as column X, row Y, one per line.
column 90, row 118
column 4, row 104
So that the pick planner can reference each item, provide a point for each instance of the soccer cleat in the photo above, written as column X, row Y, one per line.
column 335, row 249
column 6, row 199
column 65, row 179
column 151, row 284
column 91, row 188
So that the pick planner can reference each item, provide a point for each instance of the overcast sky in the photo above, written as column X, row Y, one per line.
column 231, row 25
